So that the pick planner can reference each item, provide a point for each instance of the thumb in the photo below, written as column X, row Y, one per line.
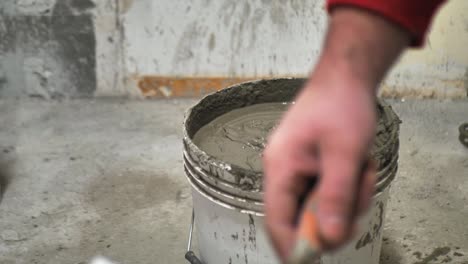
column 338, row 194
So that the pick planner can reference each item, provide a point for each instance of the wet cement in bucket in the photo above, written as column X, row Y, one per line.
column 238, row 137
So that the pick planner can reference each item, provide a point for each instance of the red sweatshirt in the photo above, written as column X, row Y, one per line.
column 413, row 15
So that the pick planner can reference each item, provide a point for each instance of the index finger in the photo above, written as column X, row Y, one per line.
column 280, row 199
column 284, row 184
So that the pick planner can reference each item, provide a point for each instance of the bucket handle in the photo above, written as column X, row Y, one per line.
column 190, row 255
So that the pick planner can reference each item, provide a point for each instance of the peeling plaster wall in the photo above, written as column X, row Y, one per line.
column 85, row 48
column 109, row 48
column 47, row 48
column 222, row 38
column 248, row 38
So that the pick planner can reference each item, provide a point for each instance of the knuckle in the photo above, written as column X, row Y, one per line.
column 334, row 197
column 336, row 203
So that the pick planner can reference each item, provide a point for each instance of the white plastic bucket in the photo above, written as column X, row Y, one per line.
column 229, row 219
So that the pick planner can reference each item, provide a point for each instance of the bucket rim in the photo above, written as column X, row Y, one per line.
column 226, row 205
column 234, row 169
column 383, row 176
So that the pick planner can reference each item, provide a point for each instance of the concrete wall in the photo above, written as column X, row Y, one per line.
column 76, row 48
column 57, row 48
column 47, row 48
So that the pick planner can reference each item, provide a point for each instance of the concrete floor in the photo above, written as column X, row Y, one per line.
column 105, row 177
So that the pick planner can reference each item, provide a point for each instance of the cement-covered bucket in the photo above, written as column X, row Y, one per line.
column 227, row 199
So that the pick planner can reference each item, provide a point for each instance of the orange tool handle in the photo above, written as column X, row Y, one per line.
column 309, row 246
column 308, row 224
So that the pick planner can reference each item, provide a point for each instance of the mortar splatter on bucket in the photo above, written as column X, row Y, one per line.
column 227, row 196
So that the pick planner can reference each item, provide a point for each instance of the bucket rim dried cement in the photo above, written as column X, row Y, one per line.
column 221, row 181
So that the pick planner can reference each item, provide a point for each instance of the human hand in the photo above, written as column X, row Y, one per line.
column 329, row 130
column 339, row 122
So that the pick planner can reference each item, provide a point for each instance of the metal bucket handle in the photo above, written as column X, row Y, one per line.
column 190, row 255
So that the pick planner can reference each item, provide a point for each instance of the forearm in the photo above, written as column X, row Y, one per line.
column 414, row 16
column 360, row 47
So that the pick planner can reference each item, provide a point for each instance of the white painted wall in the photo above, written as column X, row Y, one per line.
column 249, row 38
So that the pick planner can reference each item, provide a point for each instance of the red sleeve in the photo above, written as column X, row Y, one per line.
column 413, row 15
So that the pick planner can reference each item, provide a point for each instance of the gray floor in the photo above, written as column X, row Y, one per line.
column 105, row 177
